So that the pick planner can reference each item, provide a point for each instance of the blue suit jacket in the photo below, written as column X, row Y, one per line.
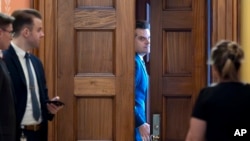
column 141, row 89
column 20, row 90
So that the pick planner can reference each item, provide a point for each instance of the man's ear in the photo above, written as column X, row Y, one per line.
column 25, row 32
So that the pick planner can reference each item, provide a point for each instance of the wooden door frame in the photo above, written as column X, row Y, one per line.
column 141, row 10
column 47, row 51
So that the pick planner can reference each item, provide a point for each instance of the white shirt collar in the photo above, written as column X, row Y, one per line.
column 20, row 52
column 141, row 57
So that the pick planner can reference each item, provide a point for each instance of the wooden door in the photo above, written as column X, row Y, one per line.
column 177, row 63
column 95, row 69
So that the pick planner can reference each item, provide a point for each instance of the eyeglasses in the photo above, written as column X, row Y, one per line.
column 10, row 32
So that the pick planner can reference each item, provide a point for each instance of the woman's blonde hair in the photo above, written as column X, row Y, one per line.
column 226, row 57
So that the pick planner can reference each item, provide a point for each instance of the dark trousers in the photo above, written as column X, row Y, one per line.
column 34, row 135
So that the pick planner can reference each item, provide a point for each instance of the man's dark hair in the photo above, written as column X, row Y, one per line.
column 24, row 17
column 5, row 20
column 142, row 24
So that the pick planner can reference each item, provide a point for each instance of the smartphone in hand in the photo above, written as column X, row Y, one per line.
column 55, row 102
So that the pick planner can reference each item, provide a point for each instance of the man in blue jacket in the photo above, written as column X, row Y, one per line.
column 142, row 47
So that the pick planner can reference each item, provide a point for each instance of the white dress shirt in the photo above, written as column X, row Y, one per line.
column 28, row 118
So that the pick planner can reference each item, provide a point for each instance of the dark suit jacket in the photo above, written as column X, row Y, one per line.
column 20, row 89
column 7, row 106
column 141, row 89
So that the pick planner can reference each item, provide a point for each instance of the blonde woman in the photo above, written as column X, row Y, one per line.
column 222, row 111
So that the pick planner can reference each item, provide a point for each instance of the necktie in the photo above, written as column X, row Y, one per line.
column 35, row 105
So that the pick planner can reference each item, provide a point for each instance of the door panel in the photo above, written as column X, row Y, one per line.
column 226, row 20
column 95, row 70
column 177, row 63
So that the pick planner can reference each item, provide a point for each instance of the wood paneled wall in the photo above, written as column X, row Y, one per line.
column 225, row 20
column 47, row 50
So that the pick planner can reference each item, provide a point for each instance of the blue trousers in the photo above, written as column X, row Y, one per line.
column 137, row 135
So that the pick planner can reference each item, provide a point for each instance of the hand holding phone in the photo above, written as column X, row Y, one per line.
column 56, row 102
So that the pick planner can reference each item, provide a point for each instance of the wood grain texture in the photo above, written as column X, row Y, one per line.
column 177, row 4
column 95, row 3
column 177, row 86
column 95, row 51
column 177, row 61
column 95, row 55
column 66, row 118
column 225, row 20
column 125, row 70
column 177, row 19
column 177, row 53
column 90, row 108
column 176, row 129
column 94, row 86
column 95, row 18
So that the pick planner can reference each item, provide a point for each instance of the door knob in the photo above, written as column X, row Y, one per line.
column 156, row 128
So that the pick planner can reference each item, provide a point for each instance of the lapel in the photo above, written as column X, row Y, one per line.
column 17, row 63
